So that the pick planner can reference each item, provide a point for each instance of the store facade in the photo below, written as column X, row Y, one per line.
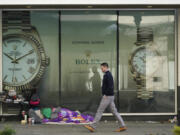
column 59, row 52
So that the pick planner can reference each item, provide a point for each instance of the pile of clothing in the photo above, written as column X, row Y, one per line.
column 59, row 115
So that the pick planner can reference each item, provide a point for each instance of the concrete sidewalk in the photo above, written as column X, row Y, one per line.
column 134, row 128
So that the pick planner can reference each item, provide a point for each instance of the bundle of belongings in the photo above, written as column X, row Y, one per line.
column 59, row 115
column 55, row 115
column 63, row 115
column 34, row 112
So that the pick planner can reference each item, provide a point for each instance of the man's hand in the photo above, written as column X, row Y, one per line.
column 104, row 96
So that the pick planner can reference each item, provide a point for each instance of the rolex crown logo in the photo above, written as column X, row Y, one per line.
column 88, row 53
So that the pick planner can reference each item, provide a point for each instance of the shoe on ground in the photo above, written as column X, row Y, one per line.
column 121, row 129
column 91, row 129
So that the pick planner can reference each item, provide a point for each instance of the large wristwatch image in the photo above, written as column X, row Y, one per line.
column 24, row 58
column 144, row 62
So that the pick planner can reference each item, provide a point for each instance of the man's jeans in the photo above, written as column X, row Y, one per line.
column 105, row 102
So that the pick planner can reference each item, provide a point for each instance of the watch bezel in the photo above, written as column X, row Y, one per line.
column 132, row 68
column 42, row 60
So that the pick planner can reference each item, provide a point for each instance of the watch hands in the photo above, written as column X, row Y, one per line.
column 16, row 60
column 8, row 56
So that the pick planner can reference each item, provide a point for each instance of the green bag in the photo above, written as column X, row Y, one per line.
column 47, row 112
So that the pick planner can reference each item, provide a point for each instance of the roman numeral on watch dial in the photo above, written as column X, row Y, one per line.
column 14, row 79
column 31, row 70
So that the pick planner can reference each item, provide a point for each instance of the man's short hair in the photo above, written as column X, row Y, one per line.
column 105, row 64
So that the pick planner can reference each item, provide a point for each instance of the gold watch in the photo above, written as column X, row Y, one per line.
column 144, row 62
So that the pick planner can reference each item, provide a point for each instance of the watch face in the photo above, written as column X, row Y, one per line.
column 145, row 61
column 21, row 60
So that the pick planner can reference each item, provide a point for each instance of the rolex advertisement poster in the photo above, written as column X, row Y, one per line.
column 87, row 39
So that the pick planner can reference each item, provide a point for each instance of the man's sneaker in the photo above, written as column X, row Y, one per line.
column 121, row 129
column 91, row 129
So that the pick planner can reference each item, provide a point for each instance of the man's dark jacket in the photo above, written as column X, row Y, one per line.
column 108, row 84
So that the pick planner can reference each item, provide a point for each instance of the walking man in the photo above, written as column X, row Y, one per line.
column 107, row 100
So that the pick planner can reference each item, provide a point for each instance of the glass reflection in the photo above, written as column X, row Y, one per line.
column 146, row 69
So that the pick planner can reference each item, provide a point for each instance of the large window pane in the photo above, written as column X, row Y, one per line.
column 29, row 39
column 87, row 39
column 47, row 24
column 146, row 61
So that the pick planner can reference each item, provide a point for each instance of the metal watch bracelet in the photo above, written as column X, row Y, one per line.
column 16, row 20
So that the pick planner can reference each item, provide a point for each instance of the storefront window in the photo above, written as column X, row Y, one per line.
column 88, row 38
column 60, row 54
column 31, row 53
column 146, row 61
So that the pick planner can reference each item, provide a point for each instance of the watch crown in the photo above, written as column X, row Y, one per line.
column 47, row 61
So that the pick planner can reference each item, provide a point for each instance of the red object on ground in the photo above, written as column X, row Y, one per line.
column 35, row 102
